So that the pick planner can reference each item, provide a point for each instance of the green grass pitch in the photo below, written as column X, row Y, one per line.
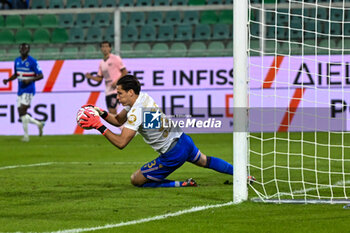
column 86, row 184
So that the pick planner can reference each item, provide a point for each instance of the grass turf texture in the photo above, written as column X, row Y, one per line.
column 89, row 187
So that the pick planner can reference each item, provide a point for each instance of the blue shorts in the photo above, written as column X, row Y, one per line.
column 165, row 164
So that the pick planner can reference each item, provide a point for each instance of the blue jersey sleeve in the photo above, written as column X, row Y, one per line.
column 35, row 67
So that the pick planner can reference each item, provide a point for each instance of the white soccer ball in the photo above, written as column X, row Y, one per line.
column 80, row 113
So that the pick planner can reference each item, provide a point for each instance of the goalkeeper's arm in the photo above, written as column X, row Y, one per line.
column 119, row 141
column 116, row 120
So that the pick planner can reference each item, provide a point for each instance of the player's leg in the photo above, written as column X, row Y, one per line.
column 28, row 99
column 22, row 111
column 218, row 165
column 194, row 156
column 214, row 163
column 23, row 103
column 40, row 124
column 200, row 159
column 139, row 180
column 153, row 174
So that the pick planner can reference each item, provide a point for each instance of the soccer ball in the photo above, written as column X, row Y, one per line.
column 80, row 113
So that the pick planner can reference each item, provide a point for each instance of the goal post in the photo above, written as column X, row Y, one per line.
column 297, row 90
column 240, row 100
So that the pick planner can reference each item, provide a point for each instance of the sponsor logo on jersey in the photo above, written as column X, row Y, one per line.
column 131, row 119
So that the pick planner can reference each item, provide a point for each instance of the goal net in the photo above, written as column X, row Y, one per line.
column 299, row 96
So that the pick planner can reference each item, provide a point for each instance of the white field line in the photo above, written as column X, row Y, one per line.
column 159, row 217
column 26, row 165
column 143, row 220
column 53, row 163
column 133, row 222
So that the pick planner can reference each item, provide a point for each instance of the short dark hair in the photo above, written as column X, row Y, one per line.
column 130, row 82
column 106, row 42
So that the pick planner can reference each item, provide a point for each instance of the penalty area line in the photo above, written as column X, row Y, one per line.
column 144, row 220
column 63, row 163
column 27, row 165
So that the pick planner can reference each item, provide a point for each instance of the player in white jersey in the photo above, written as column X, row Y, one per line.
column 174, row 146
column 159, row 139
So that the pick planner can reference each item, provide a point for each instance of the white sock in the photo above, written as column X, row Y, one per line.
column 32, row 120
column 25, row 121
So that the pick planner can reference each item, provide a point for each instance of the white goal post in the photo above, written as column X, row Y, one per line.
column 291, row 101
column 240, row 100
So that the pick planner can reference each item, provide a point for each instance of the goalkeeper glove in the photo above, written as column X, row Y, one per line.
column 100, row 111
column 91, row 121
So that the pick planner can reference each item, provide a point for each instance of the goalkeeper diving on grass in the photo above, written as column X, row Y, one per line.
column 173, row 145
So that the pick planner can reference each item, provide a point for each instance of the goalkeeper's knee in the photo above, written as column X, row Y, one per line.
column 137, row 179
column 202, row 161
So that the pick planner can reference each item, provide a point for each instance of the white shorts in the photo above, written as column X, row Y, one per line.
column 24, row 99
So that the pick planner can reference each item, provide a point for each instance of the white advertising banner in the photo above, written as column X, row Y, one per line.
column 199, row 87
column 300, row 71
column 153, row 73
column 59, row 110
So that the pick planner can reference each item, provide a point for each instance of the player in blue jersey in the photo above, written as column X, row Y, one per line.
column 173, row 145
column 27, row 71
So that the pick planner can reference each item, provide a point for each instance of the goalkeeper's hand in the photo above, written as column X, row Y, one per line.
column 101, row 112
column 90, row 121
